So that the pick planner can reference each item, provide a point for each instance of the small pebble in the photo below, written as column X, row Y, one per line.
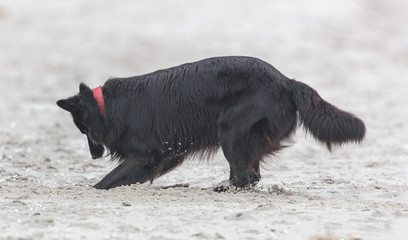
column 126, row 204
column 37, row 214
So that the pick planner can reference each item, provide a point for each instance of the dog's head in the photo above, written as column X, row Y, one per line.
column 86, row 114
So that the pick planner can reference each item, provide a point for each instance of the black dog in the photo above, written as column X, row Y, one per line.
column 152, row 122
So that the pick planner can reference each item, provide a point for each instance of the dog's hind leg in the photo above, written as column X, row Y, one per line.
column 243, row 155
column 136, row 168
column 262, row 147
column 254, row 172
column 244, row 149
column 242, row 140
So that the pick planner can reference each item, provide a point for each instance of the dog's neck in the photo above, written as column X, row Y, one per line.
column 97, row 93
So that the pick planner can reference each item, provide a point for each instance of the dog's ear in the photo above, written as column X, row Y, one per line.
column 69, row 104
column 84, row 89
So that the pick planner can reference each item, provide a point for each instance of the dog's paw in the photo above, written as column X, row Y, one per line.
column 220, row 189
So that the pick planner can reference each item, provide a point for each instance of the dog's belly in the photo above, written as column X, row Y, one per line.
column 186, row 132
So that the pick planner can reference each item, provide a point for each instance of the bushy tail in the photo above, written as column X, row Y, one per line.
column 326, row 122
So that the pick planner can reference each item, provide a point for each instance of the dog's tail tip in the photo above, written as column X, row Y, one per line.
column 353, row 132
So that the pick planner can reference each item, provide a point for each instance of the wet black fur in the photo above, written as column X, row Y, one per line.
column 242, row 104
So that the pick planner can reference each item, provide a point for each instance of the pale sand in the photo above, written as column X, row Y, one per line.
column 354, row 52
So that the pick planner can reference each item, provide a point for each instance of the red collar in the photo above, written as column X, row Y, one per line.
column 97, row 93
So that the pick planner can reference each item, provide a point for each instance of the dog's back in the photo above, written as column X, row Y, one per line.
column 187, row 100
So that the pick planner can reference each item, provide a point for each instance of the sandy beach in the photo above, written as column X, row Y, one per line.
column 353, row 52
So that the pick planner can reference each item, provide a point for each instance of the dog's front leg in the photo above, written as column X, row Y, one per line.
column 136, row 168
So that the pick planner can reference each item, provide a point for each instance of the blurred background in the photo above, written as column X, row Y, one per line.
column 353, row 52
column 329, row 43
